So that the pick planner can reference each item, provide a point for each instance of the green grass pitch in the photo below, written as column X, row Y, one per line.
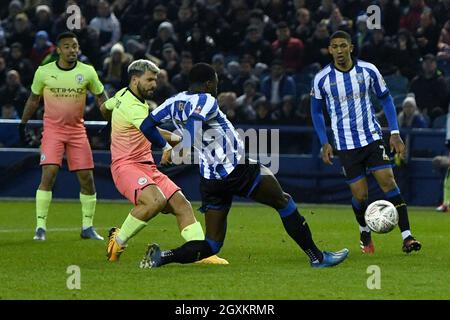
column 264, row 262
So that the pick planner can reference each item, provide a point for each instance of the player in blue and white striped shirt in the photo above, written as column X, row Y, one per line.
column 344, row 87
column 224, row 173
column 218, row 156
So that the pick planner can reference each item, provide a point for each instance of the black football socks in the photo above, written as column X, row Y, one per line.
column 297, row 228
column 359, row 208
column 394, row 196
column 189, row 252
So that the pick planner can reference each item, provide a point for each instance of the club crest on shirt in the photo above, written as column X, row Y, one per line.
column 142, row 181
column 79, row 78
column 360, row 78
column 198, row 109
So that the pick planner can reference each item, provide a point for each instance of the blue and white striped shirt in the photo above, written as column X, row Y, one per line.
column 348, row 103
column 220, row 148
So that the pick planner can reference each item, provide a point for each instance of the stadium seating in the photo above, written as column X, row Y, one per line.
column 397, row 84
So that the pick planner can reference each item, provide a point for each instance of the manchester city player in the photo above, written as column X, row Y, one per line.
column 64, row 84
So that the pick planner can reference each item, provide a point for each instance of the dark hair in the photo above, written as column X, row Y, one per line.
column 65, row 35
column 201, row 73
column 341, row 35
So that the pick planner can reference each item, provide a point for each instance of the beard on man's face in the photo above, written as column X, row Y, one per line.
column 146, row 94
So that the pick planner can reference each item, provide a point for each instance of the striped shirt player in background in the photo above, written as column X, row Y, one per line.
column 133, row 169
column 344, row 87
column 64, row 84
column 225, row 172
column 439, row 160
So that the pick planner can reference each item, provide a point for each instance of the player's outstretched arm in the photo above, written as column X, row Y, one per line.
column 166, row 157
column 172, row 138
column 151, row 132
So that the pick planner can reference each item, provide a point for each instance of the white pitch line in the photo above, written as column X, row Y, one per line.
column 48, row 230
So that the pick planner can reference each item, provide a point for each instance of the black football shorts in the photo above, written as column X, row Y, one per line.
column 242, row 181
column 357, row 163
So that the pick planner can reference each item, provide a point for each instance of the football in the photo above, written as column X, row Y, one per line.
column 381, row 216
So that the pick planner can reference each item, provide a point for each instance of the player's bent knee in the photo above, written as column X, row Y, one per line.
column 152, row 198
column 281, row 202
column 360, row 195
column 362, row 198
column 152, row 209
column 286, row 196
column 155, row 206
column 388, row 185
column 159, row 204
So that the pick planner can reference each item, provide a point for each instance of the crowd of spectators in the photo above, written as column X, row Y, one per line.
column 264, row 51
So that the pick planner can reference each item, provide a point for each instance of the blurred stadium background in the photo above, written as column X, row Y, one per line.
column 244, row 40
